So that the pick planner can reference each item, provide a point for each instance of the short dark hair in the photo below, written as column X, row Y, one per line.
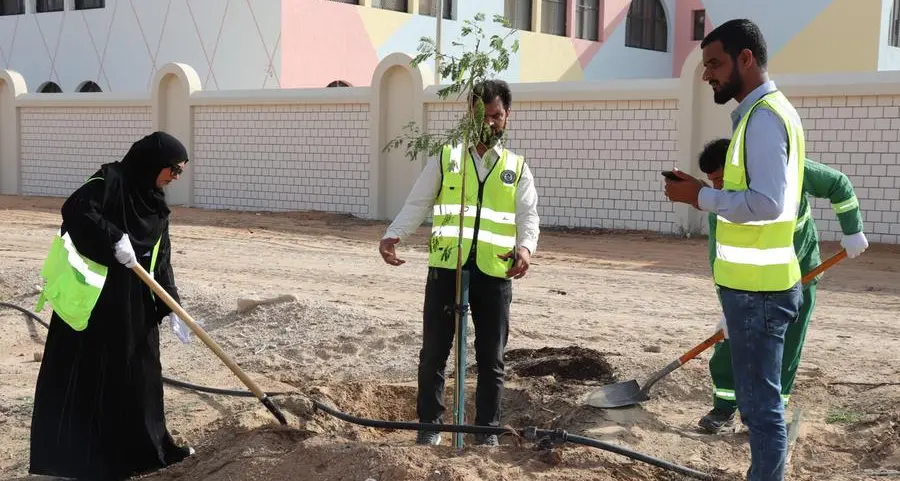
column 488, row 90
column 713, row 156
column 738, row 34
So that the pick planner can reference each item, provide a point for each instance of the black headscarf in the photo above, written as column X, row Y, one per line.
column 136, row 203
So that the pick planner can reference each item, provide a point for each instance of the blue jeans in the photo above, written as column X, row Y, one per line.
column 757, row 322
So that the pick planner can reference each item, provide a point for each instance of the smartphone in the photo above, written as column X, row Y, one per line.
column 670, row 175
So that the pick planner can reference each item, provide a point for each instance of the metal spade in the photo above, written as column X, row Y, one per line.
column 626, row 393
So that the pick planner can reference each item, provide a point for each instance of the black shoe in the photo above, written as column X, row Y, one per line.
column 178, row 454
column 428, row 437
column 716, row 420
column 487, row 440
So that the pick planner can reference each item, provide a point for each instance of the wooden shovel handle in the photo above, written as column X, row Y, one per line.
column 720, row 334
column 825, row 265
column 709, row 342
column 177, row 309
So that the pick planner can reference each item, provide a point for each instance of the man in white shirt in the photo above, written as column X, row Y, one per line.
column 500, row 235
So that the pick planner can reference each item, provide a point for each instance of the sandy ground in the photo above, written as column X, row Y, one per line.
column 632, row 300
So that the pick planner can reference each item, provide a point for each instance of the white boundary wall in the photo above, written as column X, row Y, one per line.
column 596, row 149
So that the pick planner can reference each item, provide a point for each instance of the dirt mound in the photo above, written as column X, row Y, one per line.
column 325, row 448
column 882, row 451
column 275, row 453
column 234, row 453
column 565, row 363
column 318, row 337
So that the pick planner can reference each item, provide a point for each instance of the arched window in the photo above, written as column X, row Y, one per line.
column 646, row 26
column 338, row 83
column 49, row 88
column 89, row 86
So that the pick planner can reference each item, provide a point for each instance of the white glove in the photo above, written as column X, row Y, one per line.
column 181, row 330
column 125, row 253
column 722, row 326
column 854, row 244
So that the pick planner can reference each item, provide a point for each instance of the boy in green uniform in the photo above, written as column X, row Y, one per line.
column 819, row 181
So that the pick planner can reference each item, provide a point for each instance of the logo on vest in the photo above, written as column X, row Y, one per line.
column 507, row 176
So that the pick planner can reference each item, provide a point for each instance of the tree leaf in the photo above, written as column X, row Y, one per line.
column 483, row 58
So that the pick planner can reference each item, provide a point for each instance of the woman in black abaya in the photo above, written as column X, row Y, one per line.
column 98, row 405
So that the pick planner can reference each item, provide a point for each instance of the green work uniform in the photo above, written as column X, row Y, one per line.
column 822, row 182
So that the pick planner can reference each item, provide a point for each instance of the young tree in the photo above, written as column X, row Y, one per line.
column 486, row 59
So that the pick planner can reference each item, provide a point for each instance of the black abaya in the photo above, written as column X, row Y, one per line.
column 98, row 408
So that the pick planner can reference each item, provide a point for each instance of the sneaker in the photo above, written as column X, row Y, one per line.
column 717, row 419
column 428, row 437
column 487, row 440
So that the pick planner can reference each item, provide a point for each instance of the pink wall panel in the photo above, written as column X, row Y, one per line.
column 315, row 52
column 612, row 14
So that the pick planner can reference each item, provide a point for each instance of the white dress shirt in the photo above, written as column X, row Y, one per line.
column 420, row 201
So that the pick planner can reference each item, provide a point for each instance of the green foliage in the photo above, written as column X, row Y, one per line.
column 488, row 57
column 839, row 415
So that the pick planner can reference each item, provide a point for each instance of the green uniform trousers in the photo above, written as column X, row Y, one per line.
column 720, row 363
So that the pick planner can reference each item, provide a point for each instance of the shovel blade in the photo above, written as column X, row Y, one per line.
column 617, row 395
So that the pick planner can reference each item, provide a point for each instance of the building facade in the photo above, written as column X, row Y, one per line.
column 118, row 45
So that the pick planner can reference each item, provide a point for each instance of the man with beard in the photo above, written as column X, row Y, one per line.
column 756, row 268
column 500, row 236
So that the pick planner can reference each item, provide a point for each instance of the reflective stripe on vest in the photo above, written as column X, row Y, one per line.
column 496, row 219
column 94, row 274
column 759, row 256
column 73, row 282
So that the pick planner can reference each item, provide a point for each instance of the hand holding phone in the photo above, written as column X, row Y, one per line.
column 668, row 174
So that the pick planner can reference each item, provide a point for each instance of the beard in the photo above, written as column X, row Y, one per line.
column 729, row 89
column 490, row 136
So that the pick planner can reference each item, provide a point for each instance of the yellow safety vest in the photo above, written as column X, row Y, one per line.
column 73, row 282
column 759, row 256
column 490, row 214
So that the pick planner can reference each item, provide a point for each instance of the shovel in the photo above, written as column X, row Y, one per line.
column 159, row 291
column 626, row 393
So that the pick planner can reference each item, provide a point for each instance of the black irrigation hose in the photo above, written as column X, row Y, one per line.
column 28, row 313
column 544, row 437
column 216, row 390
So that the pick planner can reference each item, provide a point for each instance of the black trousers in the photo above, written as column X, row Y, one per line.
column 489, row 300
